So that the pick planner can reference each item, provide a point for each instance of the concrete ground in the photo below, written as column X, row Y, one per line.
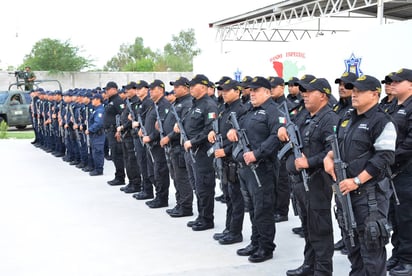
column 58, row 220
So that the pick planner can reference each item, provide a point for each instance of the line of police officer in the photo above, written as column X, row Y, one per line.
column 152, row 139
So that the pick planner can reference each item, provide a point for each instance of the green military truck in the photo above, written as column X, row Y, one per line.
column 15, row 102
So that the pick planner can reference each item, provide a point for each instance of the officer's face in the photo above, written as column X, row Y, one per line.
column 246, row 91
column 401, row 88
column 229, row 96
column 142, row 92
column 156, row 93
column 362, row 100
column 313, row 100
column 343, row 92
column 180, row 90
column 277, row 91
column 388, row 89
column 198, row 90
column 293, row 89
column 259, row 95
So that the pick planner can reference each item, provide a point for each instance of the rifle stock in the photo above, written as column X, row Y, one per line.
column 217, row 145
column 183, row 134
column 148, row 147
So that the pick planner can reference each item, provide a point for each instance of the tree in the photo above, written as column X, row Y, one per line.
column 54, row 56
column 133, row 57
column 179, row 54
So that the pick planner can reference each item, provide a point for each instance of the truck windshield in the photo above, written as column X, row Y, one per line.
column 3, row 97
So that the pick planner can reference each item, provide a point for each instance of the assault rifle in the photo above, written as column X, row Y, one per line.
column 147, row 145
column 217, row 145
column 129, row 107
column 183, row 135
column 162, row 134
column 295, row 143
column 118, row 122
column 244, row 143
column 76, row 131
column 345, row 200
column 87, row 127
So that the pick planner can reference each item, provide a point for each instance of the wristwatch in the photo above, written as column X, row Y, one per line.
column 357, row 180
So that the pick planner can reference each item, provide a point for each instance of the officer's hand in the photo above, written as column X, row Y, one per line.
column 75, row 126
column 146, row 139
column 86, row 132
column 232, row 135
column 211, row 137
column 219, row 153
column 135, row 124
column 347, row 185
column 81, row 127
column 119, row 128
column 176, row 128
column 140, row 133
column 129, row 117
column 301, row 163
column 66, row 126
column 118, row 136
column 283, row 134
column 249, row 157
column 164, row 141
column 187, row 145
column 157, row 126
column 329, row 165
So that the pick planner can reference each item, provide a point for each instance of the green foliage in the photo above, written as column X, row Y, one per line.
column 176, row 56
column 54, row 56
column 3, row 129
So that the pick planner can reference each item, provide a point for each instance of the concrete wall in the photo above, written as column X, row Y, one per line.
column 71, row 80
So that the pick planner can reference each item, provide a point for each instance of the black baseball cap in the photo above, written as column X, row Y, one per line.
column 319, row 84
column 258, row 82
column 365, row 83
column 141, row 83
column 157, row 83
column 347, row 77
column 229, row 84
column 292, row 81
column 402, row 74
column 199, row 79
column 111, row 84
column 180, row 81
column 275, row 81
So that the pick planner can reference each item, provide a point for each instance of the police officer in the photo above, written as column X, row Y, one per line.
column 388, row 103
column 96, row 134
column 129, row 155
column 257, row 168
column 245, row 90
column 315, row 207
column 179, row 174
column 114, row 107
column 144, row 158
column 152, row 138
column 367, row 146
column 197, row 124
column 228, row 166
column 401, row 260
column 282, row 192
column 341, row 108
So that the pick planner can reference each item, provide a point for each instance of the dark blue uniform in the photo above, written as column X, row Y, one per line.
column 97, row 138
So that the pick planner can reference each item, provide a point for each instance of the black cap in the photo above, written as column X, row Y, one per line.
column 306, row 78
column 365, row 83
column 222, row 80
column 388, row 79
column 157, row 83
column 199, row 79
column 211, row 84
column 292, row 81
column 141, row 83
column 131, row 85
column 347, row 77
column 171, row 92
column 245, row 80
column 320, row 84
column 180, row 81
column 275, row 81
column 402, row 74
column 229, row 84
column 258, row 82
column 111, row 84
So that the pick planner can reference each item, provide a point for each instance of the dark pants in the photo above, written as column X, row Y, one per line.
column 282, row 191
column 364, row 261
column 117, row 155
column 235, row 210
column 97, row 144
column 184, row 191
column 402, row 218
column 130, row 161
column 142, row 162
column 260, row 202
column 316, row 217
column 161, row 174
column 204, row 176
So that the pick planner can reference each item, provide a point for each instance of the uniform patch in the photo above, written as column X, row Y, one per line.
column 211, row 115
column 344, row 123
column 282, row 120
column 100, row 115
column 122, row 106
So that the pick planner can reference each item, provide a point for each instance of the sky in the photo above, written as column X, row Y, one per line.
column 99, row 28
